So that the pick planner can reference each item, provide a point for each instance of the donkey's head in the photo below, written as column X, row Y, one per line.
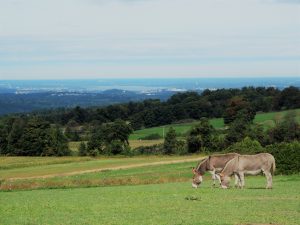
column 197, row 178
column 225, row 181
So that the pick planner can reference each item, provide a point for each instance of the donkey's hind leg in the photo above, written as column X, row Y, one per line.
column 241, row 180
column 269, row 179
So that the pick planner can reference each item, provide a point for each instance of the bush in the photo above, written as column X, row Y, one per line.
column 218, row 143
column 150, row 150
column 116, row 147
column 181, row 147
column 82, row 151
column 246, row 146
column 200, row 136
column 170, row 141
column 287, row 156
column 154, row 136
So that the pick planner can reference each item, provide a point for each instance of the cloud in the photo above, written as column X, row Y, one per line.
column 133, row 37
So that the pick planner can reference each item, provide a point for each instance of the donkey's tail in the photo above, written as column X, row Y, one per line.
column 273, row 167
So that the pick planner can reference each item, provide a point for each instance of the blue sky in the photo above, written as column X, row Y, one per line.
column 66, row 39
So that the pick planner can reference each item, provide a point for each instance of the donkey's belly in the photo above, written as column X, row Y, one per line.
column 252, row 172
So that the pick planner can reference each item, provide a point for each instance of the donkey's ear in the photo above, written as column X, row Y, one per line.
column 193, row 170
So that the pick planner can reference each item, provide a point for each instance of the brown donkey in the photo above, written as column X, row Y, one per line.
column 214, row 164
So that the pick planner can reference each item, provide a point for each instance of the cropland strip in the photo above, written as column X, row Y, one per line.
column 106, row 168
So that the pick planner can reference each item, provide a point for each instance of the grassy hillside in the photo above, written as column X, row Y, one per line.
column 166, row 199
column 19, row 167
column 266, row 119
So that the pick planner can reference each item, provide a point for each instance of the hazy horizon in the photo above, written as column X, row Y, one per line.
column 155, row 78
column 96, row 39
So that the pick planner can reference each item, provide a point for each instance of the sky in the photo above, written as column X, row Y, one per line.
column 87, row 39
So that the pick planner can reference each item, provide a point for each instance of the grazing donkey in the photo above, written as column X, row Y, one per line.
column 248, row 164
column 214, row 164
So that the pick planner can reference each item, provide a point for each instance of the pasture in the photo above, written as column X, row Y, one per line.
column 153, row 193
column 267, row 120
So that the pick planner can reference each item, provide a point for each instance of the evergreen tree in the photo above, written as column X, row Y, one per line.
column 82, row 149
column 36, row 137
column 58, row 144
column 170, row 141
column 200, row 136
column 14, row 138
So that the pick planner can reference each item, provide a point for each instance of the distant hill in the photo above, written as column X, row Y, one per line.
column 21, row 102
column 22, row 96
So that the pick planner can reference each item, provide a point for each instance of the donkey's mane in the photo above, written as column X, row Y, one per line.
column 200, row 163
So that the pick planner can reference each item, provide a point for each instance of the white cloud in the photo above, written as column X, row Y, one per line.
column 158, row 36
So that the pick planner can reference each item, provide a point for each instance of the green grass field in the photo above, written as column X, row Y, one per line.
column 156, row 194
column 24, row 167
column 266, row 119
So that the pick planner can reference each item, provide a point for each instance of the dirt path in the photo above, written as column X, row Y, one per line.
column 106, row 168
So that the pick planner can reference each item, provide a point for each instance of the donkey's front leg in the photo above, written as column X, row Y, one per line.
column 213, row 176
column 237, row 182
column 219, row 178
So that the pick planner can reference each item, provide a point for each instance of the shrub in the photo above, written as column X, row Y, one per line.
column 154, row 136
column 82, row 149
column 170, row 141
column 181, row 147
column 246, row 146
column 149, row 150
column 287, row 156
column 200, row 136
column 115, row 147
column 218, row 143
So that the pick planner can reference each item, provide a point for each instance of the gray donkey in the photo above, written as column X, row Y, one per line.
column 248, row 164
column 214, row 164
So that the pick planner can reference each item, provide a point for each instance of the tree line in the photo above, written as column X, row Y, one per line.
column 181, row 106
column 105, row 130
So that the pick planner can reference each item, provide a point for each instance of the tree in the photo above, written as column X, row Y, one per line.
column 246, row 146
column 119, row 130
column 70, row 131
column 237, row 131
column 58, row 144
column 82, row 149
column 35, row 139
column 170, row 141
column 200, row 136
column 238, row 108
column 14, row 138
column 111, row 138
column 286, row 130
column 95, row 144
column 289, row 98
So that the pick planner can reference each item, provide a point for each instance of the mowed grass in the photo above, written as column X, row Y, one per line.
column 24, row 167
column 21, row 162
column 150, row 174
column 265, row 119
column 166, row 203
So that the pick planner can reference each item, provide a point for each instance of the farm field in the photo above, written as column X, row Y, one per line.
column 153, row 194
column 266, row 119
column 74, row 146
column 26, row 167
